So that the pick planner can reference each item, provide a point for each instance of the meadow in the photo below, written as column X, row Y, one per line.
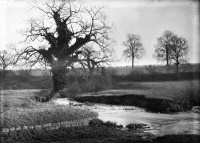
column 159, row 89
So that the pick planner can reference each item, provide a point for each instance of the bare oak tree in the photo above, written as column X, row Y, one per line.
column 179, row 49
column 134, row 48
column 162, row 49
column 66, row 26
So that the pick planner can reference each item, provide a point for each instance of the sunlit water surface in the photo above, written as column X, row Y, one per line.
column 159, row 123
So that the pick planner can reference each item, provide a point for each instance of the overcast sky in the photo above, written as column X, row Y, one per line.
column 149, row 19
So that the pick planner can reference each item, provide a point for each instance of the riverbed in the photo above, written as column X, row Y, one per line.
column 157, row 123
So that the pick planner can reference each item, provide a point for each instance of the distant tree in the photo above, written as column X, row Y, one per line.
column 134, row 48
column 172, row 49
column 162, row 49
column 66, row 26
column 6, row 59
column 179, row 49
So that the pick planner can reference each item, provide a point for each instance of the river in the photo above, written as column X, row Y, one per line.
column 158, row 123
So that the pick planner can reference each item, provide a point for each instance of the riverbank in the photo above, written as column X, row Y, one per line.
column 158, row 124
column 166, row 96
column 151, row 104
column 94, row 133
column 19, row 110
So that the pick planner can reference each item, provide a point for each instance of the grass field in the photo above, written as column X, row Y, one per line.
column 166, row 89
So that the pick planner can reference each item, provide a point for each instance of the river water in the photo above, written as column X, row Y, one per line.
column 158, row 123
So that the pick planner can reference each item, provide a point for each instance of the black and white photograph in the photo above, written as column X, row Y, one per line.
column 99, row 71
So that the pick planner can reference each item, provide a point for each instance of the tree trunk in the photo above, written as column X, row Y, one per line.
column 177, row 64
column 167, row 56
column 3, row 74
column 90, row 72
column 91, row 78
column 177, row 70
column 133, row 61
column 59, row 79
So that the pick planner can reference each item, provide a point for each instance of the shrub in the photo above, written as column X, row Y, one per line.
column 99, row 123
column 133, row 126
column 96, row 122
column 101, row 83
column 193, row 97
column 70, row 91
column 86, row 86
column 152, row 70
column 188, row 100
column 42, row 95
column 77, row 85
column 110, row 124
column 94, row 83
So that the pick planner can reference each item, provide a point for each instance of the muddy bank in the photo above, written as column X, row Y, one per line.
column 150, row 104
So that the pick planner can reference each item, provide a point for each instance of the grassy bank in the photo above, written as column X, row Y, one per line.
column 20, row 109
column 165, row 96
column 179, row 90
column 162, row 89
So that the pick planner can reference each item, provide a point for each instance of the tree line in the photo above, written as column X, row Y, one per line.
column 76, row 34
column 169, row 48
